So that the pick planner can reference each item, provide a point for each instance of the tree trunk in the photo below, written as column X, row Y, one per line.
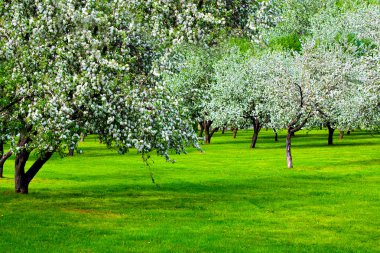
column 21, row 185
column 331, row 134
column 1, row 148
column 288, row 149
column 348, row 132
column 208, row 131
column 224, row 129
column 234, row 132
column 275, row 135
column 71, row 151
column 341, row 134
column 4, row 157
column 23, row 179
column 1, row 155
column 202, row 128
column 256, row 130
column 82, row 136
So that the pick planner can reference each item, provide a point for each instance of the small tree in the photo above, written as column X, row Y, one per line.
column 192, row 81
column 289, row 94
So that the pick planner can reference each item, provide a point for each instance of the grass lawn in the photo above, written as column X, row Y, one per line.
column 227, row 199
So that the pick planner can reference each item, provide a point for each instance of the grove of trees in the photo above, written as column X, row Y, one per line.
column 143, row 74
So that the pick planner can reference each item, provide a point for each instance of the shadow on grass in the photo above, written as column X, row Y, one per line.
column 187, row 195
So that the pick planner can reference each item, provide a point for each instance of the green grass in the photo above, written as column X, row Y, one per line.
column 227, row 199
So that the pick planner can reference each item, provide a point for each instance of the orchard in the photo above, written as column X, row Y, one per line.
column 142, row 74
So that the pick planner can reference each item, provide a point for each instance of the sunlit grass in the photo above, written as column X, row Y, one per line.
column 227, row 199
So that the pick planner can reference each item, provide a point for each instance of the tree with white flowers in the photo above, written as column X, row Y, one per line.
column 97, row 65
column 7, row 90
column 84, row 65
column 343, row 48
column 334, row 79
column 192, row 83
column 289, row 93
column 238, row 96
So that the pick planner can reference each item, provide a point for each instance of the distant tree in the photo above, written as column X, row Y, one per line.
column 334, row 82
column 192, row 83
column 344, row 48
column 238, row 96
column 289, row 94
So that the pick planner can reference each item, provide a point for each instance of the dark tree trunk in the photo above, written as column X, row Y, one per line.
column 71, row 151
column 21, row 185
column 209, row 132
column 341, row 134
column 4, row 157
column 22, row 178
column 348, row 132
column 100, row 136
column 331, row 134
column 256, row 130
column 1, row 155
column 234, row 132
column 224, row 129
column 289, row 158
column 275, row 135
column 202, row 128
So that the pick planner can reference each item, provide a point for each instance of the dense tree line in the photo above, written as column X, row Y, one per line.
column 328, row 74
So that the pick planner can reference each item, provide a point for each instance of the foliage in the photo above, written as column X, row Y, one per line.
column 85, row 69
column 238, row 93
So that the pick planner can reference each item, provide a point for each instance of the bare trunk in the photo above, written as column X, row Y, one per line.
column 234, row 132
column 275, row 135
column 288, row 150
column 202, row 128
column 82, row 136
column 71, row 151
column 22, row 178
column 208, row 131
column 4, row 157
column 1, row 155
column 348, row 132
column 331, row 134
column 341, row 134
column 256, row 130
column 100, row 136
column 21, row 184
column 224, row 129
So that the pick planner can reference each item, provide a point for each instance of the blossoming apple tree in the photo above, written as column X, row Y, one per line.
column 80, row 65
column 238, row 96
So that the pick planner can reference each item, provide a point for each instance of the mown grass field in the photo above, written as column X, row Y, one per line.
column 227, row 199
